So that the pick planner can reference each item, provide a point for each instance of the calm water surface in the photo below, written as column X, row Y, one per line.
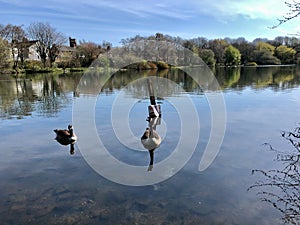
column 42, row 183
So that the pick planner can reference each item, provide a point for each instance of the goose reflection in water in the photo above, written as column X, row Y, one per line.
column 66, row 137
column 151, row 139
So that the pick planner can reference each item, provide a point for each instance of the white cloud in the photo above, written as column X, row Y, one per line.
column 137, row 16
column 143, row 8
column 169, row 8
column 253, row 9
column 222, row 10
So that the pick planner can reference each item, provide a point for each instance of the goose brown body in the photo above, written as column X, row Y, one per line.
column 151, row 139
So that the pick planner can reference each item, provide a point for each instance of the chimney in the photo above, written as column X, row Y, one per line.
column 72, row 42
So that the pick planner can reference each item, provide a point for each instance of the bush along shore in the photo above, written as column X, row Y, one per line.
column 32, row 67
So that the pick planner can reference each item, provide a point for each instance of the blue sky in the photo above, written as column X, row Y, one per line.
column 112, row 20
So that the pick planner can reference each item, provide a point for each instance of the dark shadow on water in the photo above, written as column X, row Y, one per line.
column 281, row 187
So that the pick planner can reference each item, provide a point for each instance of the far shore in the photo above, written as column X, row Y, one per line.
column 58, row 71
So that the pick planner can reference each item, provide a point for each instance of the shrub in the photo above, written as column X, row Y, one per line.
column 232, row 56
column 251, row 64
column 208, row 56
column 152, row 65
column 33, row 65
column 162, row 65
column 264, row 57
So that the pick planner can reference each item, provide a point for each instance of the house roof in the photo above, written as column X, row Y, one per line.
column 67, row 49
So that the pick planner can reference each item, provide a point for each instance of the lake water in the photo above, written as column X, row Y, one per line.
column 42, row 183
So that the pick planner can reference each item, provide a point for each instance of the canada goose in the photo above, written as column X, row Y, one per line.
column 66, row 137
column 151, row 140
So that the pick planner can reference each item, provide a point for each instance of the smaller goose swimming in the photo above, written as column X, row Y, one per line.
column 66, row 137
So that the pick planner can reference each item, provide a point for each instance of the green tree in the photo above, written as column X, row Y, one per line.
column 218, row 47
column 246, row 49
column 208, row 56
column 265, row 46
column 4, row 53
column 285, row 54
column 232, row 56
column 264, row 57
column 264, row 54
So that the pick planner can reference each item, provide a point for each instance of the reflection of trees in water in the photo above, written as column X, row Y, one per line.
column 139, row 88
column 101, row 81
column 44, row 94
column 281, row 187
column 228, row 76
column 51, row 98
column 276, row 77
column 16, row 97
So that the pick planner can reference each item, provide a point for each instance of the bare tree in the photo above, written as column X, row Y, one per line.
column 4, row 31
column 280, row 187
column 48, row 40
column 16, row 36
column 12, row 33
column 88, row 52
column 294, row 11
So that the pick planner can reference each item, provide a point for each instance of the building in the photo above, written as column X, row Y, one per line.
column 67, row 52
column 27, row 50
column 72, row 42
column 24, row 50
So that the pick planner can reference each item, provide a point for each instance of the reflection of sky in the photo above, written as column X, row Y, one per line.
column 138, row 123
column 256, row 117
column 250, row 105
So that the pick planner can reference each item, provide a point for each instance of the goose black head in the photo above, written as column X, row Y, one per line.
column 146, row 134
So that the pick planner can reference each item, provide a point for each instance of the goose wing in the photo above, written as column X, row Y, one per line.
column 63, row 133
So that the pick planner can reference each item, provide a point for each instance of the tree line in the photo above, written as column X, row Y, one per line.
column 15, row 41
column 239, row 51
